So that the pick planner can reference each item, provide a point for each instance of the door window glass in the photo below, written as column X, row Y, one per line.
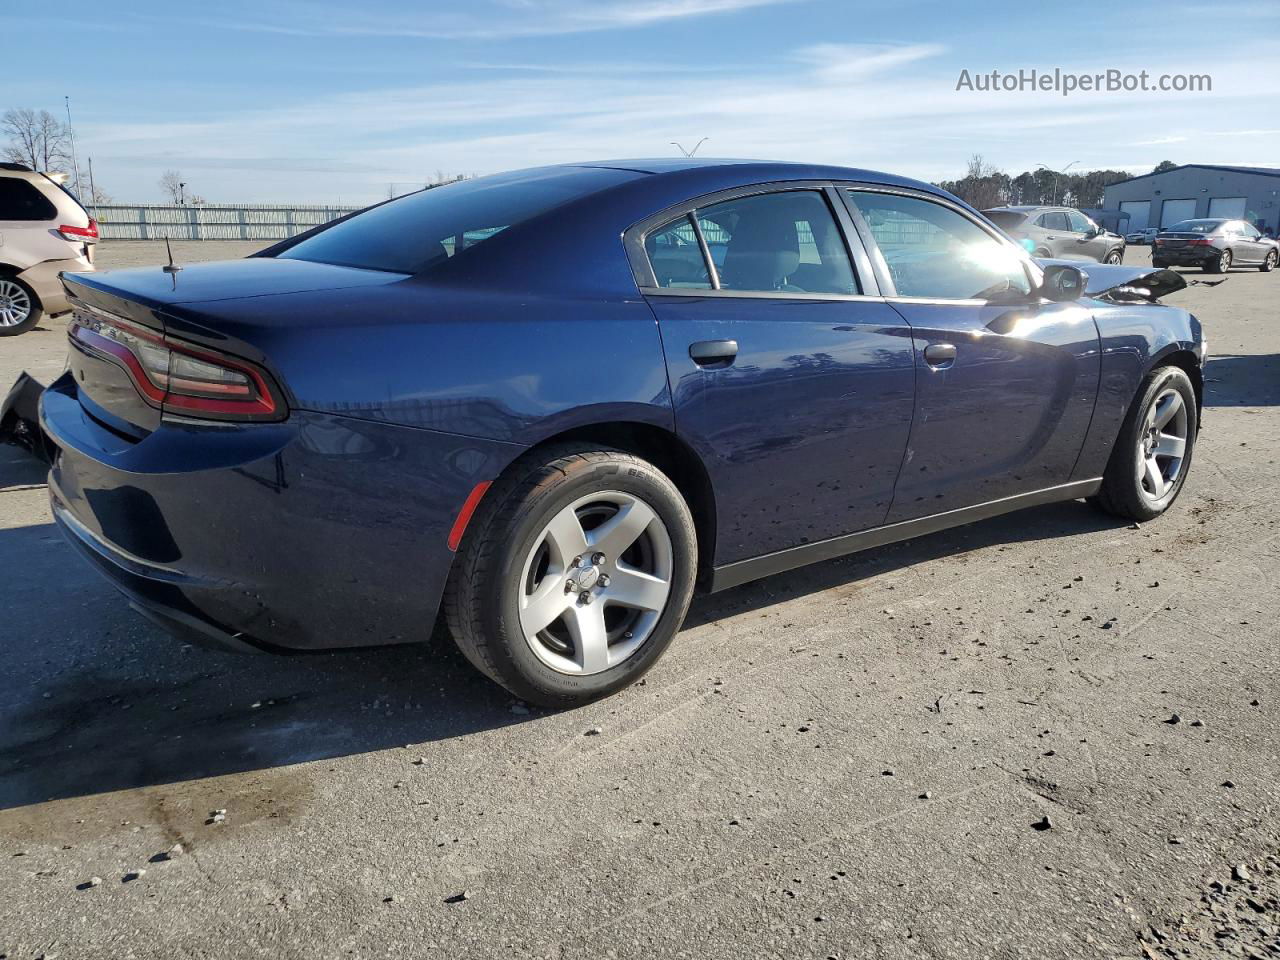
column 676, row 258
column 1079, row 222
column 936, row 253
column 778, row 242
column 1054, row 221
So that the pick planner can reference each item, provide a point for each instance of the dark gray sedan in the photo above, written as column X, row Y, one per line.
column 1215, row 246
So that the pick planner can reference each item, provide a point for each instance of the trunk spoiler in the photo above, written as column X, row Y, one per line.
column 20, row 418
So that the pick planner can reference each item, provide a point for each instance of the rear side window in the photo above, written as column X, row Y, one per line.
column 20, row 200
column 933, row 252
column 1004, row 219
column 1054, row 221
column 676, row 257
column 785, row 242
column 421, row 231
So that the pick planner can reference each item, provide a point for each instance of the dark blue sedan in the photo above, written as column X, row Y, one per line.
column 548, row 404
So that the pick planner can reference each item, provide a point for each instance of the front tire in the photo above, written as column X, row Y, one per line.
column 1114, row 257
column 19, row 307
column 1152, row 456
column 574, row 575
column 1269, row 263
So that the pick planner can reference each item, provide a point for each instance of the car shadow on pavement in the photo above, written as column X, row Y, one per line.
column 1251, row 380
column 1068, row 519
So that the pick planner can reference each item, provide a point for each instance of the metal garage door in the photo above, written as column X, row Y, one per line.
column 1231, row 208
column 1139, row 212
column 1174, row 210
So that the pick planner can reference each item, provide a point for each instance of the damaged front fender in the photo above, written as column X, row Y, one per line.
column 1125, row 284
column 20, row 418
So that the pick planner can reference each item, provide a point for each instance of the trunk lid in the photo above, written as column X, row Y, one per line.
column 152, row 303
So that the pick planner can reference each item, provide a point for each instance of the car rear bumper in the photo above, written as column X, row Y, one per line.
column 317, row 533
column 45, row 280
column 1185, row 256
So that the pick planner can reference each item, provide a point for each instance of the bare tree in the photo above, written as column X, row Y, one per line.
column 36, row 138
column 173, row 187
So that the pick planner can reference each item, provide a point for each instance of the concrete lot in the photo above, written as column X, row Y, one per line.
column 844, row 761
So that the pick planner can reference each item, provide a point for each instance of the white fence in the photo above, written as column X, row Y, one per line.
column 210, row 221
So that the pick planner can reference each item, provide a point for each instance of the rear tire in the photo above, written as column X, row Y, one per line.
column 608, row 618
column 1221, row 265
column 20, row 308
column 1152, row 455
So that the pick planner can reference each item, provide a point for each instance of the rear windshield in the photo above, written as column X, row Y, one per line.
column 1196, row 226
column 1004, row 219
column 414, row 233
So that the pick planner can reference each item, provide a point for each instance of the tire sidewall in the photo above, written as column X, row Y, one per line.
column 1163, row 378
column 522, row 671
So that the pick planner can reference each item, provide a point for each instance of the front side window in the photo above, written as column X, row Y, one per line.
column 933, row 252
column 20, row 200
column 785, row 242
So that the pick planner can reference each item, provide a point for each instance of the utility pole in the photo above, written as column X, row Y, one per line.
column 93, row 191
column 71, row 131
column 182, row 194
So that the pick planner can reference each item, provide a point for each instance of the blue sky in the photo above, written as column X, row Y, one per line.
column 289, row 101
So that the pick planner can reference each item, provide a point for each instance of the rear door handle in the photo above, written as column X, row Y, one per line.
column 940, row 355
column 711, row 353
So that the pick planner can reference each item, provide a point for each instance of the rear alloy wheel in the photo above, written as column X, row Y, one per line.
column 1115, row 256
column 19, row 307
column 1269, row 263
column 1220, row 265
column 1153, row 452
column 574, row 576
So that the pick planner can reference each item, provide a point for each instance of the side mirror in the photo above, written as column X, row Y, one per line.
column 1062, row 283
column 1091, row 233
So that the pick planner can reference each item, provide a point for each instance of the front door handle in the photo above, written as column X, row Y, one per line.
column 940, row 355
column 713, row 353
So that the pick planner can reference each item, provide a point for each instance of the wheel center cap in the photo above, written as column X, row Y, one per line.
column 584, row 578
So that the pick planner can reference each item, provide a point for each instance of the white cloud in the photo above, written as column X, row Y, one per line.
column 885, row 106
column 479, row 21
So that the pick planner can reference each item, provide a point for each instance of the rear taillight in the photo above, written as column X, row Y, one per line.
column 1199, row 242
column 178, row 376
column 87, row 234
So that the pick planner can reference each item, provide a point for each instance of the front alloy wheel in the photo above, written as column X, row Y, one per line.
column 1162, row 445
column 1115, row 256
column 1152, row 455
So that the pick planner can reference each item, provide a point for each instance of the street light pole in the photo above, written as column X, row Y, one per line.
column 71, row 132
column 1056, row 175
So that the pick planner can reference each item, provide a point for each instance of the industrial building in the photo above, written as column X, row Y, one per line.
column 1197, row 190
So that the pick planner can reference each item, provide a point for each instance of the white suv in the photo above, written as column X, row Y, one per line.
column 43, row 231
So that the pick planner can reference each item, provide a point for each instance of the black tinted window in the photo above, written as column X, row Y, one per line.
column 1054, row 221
column 20, row 200
column 786, row 242
column 1005, row 219
column 414, row 233
column 1196, row 226
column 934, row 252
